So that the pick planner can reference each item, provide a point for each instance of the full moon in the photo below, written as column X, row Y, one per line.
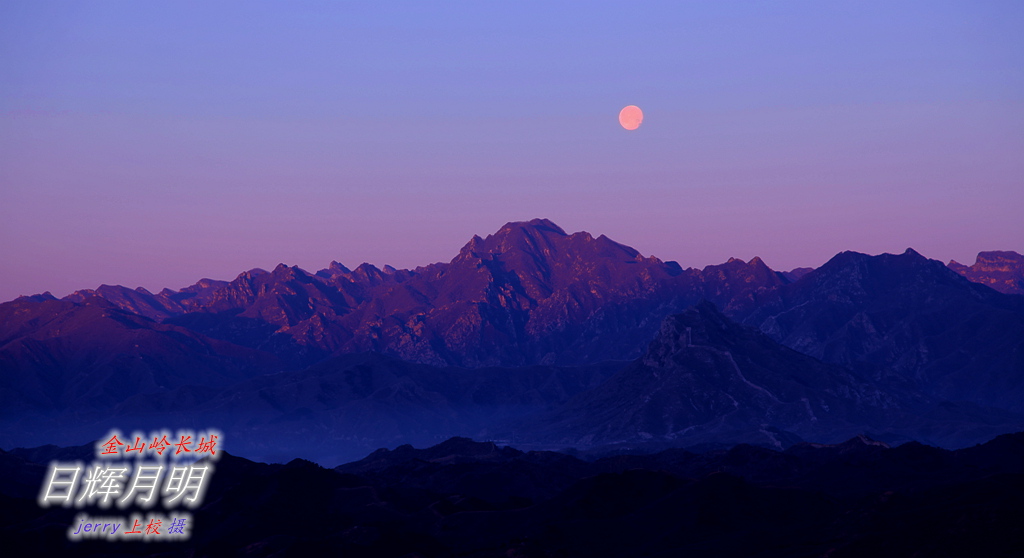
column 630, row 117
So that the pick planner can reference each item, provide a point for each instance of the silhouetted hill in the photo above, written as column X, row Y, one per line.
column 852, row 499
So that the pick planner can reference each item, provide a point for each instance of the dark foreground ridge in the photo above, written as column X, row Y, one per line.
column 465, row 498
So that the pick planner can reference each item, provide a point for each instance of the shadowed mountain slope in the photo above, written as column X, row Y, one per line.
column 706, row 379
column 904, row 321
column 57, row 354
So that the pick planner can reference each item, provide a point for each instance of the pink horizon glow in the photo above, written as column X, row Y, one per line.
column 148, row 146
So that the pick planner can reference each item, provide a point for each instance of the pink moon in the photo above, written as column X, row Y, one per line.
column 631, row 117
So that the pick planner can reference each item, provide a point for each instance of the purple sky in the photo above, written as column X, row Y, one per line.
column 152, row 144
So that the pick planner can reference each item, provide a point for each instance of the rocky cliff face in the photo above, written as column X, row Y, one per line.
column 1003, row 271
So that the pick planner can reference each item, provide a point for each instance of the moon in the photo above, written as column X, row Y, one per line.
column 631, row 117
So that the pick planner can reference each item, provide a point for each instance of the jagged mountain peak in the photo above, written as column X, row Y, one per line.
column 537, row 258
column 367, row 269
column 539, row 242
column 338, row 266
column 283, row 270
column 535, row 235
column 538, row 224
column 369, row 274
column 845, row 258
column 258, row 278
column 250, row 274
column 41, row 297
column 756, row 265
column 756, row 261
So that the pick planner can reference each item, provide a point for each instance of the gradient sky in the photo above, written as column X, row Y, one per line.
column 152, row 144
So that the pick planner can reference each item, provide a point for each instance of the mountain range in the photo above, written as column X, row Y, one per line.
column 534, row 335
column 528, row 294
